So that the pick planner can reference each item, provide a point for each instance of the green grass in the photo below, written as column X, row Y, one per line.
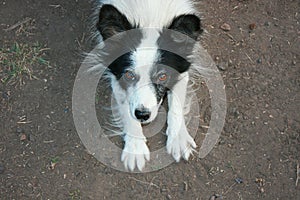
column 19, row 61
column 54, row 160
column 75, row 195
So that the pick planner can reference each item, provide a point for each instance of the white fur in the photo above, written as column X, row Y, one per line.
column 179, row 143
column 135, row 153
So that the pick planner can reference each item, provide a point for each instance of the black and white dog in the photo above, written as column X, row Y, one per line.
column 141, row 78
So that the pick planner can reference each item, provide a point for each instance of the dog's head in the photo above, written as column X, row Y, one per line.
column 143, row 76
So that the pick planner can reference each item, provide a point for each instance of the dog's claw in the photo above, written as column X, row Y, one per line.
column 135, row 153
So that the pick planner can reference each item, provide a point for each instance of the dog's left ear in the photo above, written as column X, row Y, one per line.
column 187, row 24
column 112, row 21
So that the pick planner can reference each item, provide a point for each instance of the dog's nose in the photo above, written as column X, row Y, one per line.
column 142, row 114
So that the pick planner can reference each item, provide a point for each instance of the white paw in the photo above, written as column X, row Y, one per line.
column 135, row 153
column 180, row 144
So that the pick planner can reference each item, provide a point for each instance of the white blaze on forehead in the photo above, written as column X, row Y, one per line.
column 143, row 61
column 146, row 53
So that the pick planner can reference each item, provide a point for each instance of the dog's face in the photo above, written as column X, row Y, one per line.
column 142, row 77
column 145, row 87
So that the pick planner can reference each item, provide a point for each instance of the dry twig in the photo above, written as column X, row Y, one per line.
column 27, row 19
column 147, row 183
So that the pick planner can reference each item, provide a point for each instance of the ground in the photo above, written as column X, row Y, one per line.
column 42, row 157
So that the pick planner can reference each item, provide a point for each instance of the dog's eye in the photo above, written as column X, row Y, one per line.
column 162, row 77
column 129, row 75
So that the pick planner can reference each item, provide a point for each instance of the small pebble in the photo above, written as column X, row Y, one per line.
column 230, row 63
column 221, row 142
column 252, row 26
column 5, row 95
column 222, row 66
column 23, row 137
column 1, row 169
column 225, row 27
column 216, row 196
column 164, row 190
column 259, row 61
column 19, row 130
column 236, row 113
column 30, row 138
column 239, row 180
column 267, row 23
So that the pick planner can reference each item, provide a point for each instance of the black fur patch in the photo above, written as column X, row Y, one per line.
column 186, row 28
column 187, row 24
column 112, row 21
column 120, row 65
column 173, row 60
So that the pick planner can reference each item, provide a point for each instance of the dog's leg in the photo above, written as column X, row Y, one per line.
column 135, row 152
column 179, row 143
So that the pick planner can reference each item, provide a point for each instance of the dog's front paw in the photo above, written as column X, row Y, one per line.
column 135, row 153
column 180, row 144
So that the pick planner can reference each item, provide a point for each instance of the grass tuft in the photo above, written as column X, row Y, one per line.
column 19, row 61
column 75, row 194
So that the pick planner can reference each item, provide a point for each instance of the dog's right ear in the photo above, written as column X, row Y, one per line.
column 112, row 21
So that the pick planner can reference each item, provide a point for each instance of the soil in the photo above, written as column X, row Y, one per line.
column 256, row 157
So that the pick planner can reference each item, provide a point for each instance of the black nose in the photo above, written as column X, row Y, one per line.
column 142, row 114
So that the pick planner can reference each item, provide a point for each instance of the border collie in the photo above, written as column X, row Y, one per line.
column 142, row 78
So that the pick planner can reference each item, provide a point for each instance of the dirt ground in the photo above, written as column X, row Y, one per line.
column 42, row 157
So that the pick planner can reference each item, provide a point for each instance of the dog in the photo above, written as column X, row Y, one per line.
column 141, row 79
